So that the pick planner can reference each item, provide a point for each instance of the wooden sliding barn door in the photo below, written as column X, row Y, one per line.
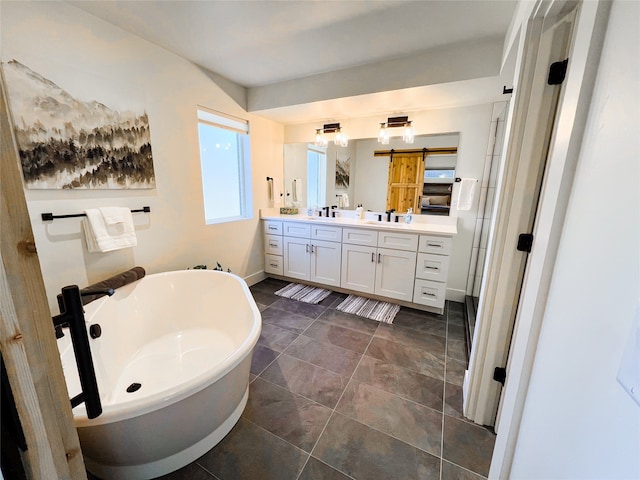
column 406, row 180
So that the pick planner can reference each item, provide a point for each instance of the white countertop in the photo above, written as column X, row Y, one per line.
column 448, row 229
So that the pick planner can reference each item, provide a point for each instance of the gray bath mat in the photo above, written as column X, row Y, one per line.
column 303, row 293
column 372, row 309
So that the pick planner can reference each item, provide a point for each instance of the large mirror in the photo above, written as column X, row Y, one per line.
column 356, row 175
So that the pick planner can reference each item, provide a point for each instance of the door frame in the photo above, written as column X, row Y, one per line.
column 27, row 338
column 480, row 399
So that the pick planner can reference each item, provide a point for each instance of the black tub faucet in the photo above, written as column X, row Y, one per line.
column 72, row 314
column 104, row 291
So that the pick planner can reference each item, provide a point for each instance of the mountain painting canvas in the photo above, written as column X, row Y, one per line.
column 342, row 172
column 66, row 143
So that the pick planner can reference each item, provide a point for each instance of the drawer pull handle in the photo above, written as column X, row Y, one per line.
column 379, row 257
column 433, row 268
column 437, row 245
column 373, row 255
column 429, row 294
column 312, row 251
column 306, row 248
column 274, row 265
column 271, row 227
column 273, row 244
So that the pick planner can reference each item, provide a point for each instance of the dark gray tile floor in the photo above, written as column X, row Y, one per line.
column 336, row 396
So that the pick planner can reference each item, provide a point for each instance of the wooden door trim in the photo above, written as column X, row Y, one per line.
column 27, row 338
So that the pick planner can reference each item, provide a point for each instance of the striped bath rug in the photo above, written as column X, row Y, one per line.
column 372, row 309
column 303, row 293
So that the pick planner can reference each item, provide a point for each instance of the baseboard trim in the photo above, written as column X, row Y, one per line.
column 255, row 277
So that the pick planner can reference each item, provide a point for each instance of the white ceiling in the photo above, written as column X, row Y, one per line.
column 260, row 43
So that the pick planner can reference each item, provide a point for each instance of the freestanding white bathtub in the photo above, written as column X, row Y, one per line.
column 187, row 338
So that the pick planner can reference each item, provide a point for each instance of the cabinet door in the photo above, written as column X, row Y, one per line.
column 395, row 273
column 358, row 268
column 296, row 258
column 325, row 262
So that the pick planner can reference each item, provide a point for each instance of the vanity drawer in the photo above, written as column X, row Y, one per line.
column 433, row 244
column 273, row 227
column 295, row 229
column 325, row 232
column 273, row 264
column 360, row 236
column 431, row 294
column 398, row 241
column 432, row 267
column 273, row 244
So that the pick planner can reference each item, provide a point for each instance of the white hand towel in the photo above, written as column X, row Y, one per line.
column 466, row 191
column 345, row 200
column 105, row 233
column 297, row 189
column 113, row 215
column 278, row 198
column 270, row 191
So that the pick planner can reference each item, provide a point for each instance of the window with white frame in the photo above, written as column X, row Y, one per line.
column 226, row 167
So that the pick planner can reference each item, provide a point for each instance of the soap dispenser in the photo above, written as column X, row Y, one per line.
column 408, row 217
column 360, row 212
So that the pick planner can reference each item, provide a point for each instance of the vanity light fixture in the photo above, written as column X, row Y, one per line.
column 404, row 122
column 340, row 139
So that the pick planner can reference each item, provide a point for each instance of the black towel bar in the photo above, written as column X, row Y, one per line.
column 50, row 216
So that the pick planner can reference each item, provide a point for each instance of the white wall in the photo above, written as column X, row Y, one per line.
column 92, row 59
column 473, row 124
column 578, row 422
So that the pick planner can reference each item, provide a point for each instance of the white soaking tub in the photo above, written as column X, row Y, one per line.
column 187, row 338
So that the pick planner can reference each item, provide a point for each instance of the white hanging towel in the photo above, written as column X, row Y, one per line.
column 466, row 191
column 297, row 189
column 278, row 198
column 270, row 191
column 109, row 228
column 345, row 200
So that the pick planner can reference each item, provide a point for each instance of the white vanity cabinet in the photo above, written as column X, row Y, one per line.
column 307, row 256
column 384, row 262
column 376, row 269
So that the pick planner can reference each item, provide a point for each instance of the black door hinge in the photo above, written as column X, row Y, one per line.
column 500, row 374
column 557, row 72
column 525, row 241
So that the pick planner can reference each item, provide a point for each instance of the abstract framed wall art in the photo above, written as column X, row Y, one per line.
column 67, row 143
column 343, row 168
